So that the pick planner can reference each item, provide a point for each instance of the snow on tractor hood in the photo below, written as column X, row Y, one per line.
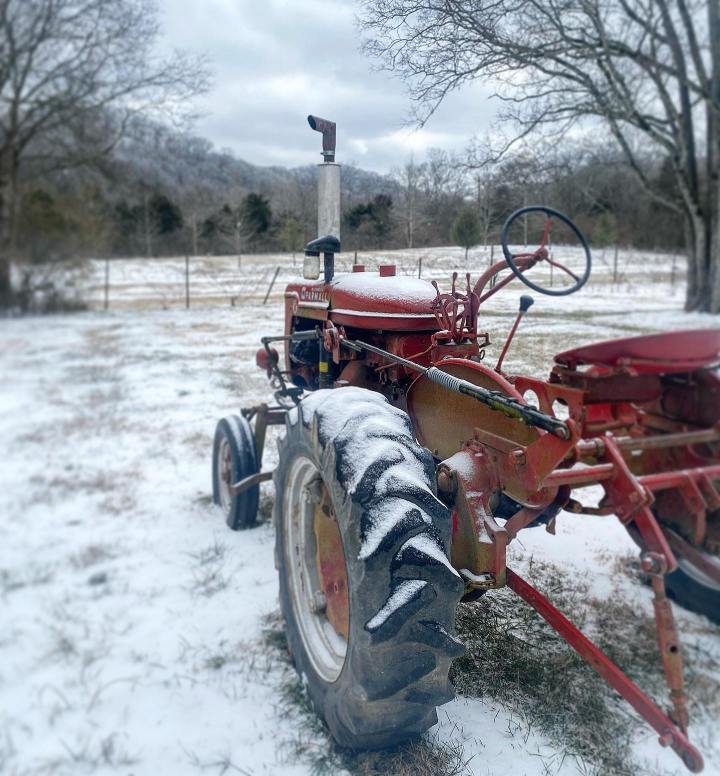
column 370, row 300
column 370, row 292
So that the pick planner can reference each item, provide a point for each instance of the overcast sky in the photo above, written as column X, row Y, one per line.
column 275, row 61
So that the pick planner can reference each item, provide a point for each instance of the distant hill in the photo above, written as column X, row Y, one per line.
column 177, row 162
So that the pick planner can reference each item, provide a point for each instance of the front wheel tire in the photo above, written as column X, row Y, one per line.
column 366, row 589
column 234, row 458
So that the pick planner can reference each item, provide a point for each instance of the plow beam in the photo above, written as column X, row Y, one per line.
column 670, row 734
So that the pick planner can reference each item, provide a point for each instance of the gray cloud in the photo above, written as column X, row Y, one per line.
column 275, row 61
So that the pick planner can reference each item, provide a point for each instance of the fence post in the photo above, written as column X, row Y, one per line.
column 272, row 283
column 107, row 283
column 187, row 282
column 615, row 263
column 419, row 266
column 672, row 272
column 492, row 254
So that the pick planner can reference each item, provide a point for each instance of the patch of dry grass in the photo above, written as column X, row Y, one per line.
column 91, row 555
column 514, row 657
column 265, row 508
column 30, row 576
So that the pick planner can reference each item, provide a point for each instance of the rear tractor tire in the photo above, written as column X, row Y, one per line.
column 366, row 589
column 234, row 458
column 690, row 587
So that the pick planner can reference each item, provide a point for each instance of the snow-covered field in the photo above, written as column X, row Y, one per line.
column 132, row 619
column 161, row 282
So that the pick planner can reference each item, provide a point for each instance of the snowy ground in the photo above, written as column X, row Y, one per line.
column 132, row 620
column 226, row 279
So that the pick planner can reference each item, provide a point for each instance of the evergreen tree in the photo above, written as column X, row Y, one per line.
column 291, row 236
column 256, row 213
column 466, row 229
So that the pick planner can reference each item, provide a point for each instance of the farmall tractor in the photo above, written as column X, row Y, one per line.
column 409, row 463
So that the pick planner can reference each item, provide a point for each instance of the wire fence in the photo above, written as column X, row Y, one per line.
column 231, row 280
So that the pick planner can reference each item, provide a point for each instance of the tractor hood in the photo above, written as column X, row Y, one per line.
column 371, row 292
column 369, row 300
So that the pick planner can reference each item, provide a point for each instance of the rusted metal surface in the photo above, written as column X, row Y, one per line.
column 549, row 393
column 241, row 486
column 331, row 567
column 329, row 131
column 681, row 439
column 479, row 542
column 523, row 263
column 668, row 639
column 456, row 313
column 444, row 421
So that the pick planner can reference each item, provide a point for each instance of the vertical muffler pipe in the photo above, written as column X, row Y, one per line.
column 328, row 180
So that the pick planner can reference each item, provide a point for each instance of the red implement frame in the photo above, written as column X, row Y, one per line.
column 670, row 734
column 540, row 471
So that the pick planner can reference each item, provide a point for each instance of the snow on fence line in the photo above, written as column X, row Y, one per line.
column 184, row 281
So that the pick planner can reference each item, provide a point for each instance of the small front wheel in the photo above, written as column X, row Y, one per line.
column 234, row 458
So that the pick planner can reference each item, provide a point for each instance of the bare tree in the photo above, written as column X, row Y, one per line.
column 648, row 69
column 484, row 186
column 73, row 74
column 408, row 178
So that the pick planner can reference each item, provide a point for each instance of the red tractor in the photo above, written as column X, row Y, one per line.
column 409, row 464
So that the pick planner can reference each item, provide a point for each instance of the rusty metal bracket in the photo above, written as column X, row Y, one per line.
column 247, row 482
column 477, row 581
column 668, row 639
column 264, row 416
column 479, row 545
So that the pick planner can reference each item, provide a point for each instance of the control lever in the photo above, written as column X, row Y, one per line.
column 526, row 302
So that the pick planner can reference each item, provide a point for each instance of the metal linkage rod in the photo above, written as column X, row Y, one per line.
column 670, row 734
column 494, row 399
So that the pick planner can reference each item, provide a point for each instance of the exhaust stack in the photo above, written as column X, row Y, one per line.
column 328, row 180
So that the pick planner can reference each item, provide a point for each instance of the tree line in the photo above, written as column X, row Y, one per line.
column 645, row 73
column 612, row 112
column 174, row 195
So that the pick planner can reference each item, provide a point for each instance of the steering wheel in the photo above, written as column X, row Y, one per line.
column 542, row 253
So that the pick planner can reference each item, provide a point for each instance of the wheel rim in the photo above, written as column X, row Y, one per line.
column 697, row 574
column 317, row 578
column 224, row 474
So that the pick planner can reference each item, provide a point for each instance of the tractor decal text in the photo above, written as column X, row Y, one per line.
column 314, row 294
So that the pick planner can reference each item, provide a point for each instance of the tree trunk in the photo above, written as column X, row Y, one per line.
column 146, row 224
column 702, row 223
column 8, row 192
column 713, row 250
column 703, row 249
